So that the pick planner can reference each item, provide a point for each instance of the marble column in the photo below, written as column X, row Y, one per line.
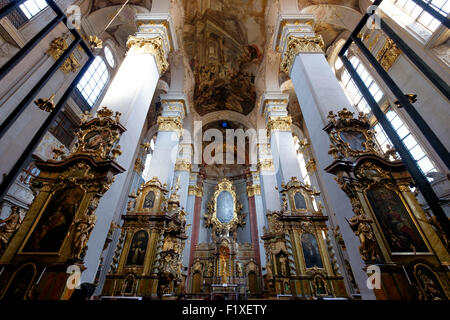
column 183, row 167
column 268, row 180
column 130, row 93
column 282, row 145
column 256, row 216
column 190, row 203
column 319, row 92
column 167, row 141
column 195, row 190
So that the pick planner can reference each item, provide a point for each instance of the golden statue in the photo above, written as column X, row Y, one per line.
column 239, row 270
column 85, row 224
column 9, row 227
column 360, row 224
column 269, row 271
column 283, row 265
column 210, row 269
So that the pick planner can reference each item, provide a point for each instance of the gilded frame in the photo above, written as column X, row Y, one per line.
column 227, row 186
column 435, row 274
column 37, row 220
column 411, row 215
column 14, row 275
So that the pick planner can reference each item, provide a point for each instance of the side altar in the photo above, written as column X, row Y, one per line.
column 42, row 255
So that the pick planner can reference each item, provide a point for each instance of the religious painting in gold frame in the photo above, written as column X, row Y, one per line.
column 225, row 205
column 138, row 249
column 51, row 229
column 20, row 283
column 395, row 220
column 150, row 196
column 311, row 251
column 429, row 283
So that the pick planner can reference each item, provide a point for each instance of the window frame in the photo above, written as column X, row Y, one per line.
column 85, row 83
column 375, row 125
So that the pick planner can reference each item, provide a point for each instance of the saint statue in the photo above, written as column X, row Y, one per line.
column 84, row 226
column 8, row 227
column 283, row 265
column 360, row 224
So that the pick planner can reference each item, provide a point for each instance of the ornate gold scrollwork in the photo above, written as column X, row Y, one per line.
column 211, row 219
column 388, row 54
column 98, row 136
column 298, row 45
column 183, row 165
column 350, row 137
column 170, row 124
column 265, row 165
column 57, row 48
column 279, row 124
column 152, row 46
column 195, row 190
column 254, row 189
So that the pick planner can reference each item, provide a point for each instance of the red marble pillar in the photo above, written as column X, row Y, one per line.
column 195, row 223
column 254, row 226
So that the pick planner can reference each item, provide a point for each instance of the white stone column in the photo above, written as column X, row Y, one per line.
column 190, row 201
column 167, row 141
column 281, row 140
column 130, row 93
column 319, row 92
column 183, row 168
column 268, row 180
column 260, row 213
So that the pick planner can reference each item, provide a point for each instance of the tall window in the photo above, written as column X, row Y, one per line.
column 408, row 139
column 109, row 57
column 94, row 81
column 352, row 90
column 63, row 129
column 421, row 16
column 402, row 130
column 148, row 160
column 32, row 7
column 301, row 161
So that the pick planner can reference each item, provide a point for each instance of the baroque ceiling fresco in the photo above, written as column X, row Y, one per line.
column 224, row 40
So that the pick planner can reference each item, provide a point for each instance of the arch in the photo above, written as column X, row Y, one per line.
column 128, row 286
column 20, row 282
column 138, row 249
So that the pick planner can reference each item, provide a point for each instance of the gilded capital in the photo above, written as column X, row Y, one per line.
column 253, row 190
column 279, row 124
column 296, row 45
column 152, row 46
column 195, row 190
column 265, row 165
column 170, row 124
column 183, row 165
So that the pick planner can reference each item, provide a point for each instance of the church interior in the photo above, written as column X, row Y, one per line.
column 225, row 149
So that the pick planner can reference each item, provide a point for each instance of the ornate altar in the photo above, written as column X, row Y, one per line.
column 297, row 247
column 54, row 234
column 394, row 233
column 224, row 265
column 148, row 261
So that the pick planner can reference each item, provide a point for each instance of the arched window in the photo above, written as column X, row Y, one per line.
column 401, row 128
column 30, row 8
column 94, row 81
column 109, row 57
